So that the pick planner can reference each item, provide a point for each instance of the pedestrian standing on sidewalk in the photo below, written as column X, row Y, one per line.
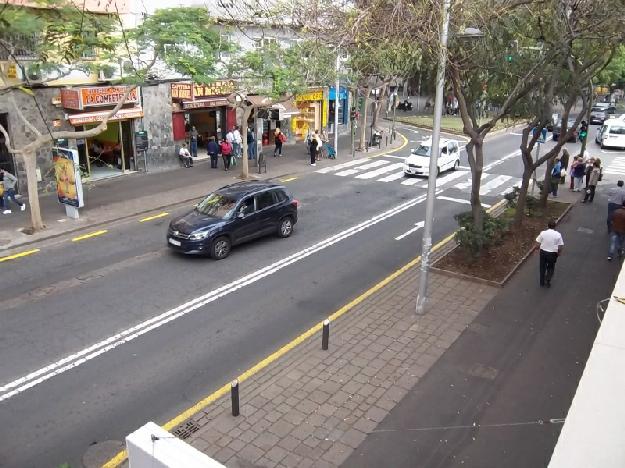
column 555, row 177
column 590, row 163
column 230, row 137
column 226, row 153
column 593, row 180
column 616, row 197
column 279, row 139
column 564, row 162
column 237, row 142
column 251, row 144
column 617, row 235
column 314, row 142
column 193, row 143
column 185, row 156
column 9, row 181
column 551, row 244
column 578, row 174
column 213, row 151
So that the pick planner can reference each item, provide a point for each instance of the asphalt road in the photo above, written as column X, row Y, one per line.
column 84, row 357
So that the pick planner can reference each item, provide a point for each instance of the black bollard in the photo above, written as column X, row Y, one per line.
column 325, row 335
column 234, row 395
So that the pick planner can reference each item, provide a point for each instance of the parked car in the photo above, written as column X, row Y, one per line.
column 418, row 163
column 611, row 134
column 610, row 108
column 557, row 129
column 598, row 115
column 232, row 215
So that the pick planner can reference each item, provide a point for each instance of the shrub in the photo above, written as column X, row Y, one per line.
column 473, row 242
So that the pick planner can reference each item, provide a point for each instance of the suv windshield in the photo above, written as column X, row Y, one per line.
column 597, row 109
column 216, row 205
column 422, row 150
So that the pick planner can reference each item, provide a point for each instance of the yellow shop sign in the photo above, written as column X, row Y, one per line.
column 312, row 95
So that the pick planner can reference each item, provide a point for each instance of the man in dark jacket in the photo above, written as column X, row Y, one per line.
column 213, row 151
column 618, row 232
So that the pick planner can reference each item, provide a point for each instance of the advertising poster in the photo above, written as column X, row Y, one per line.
column 68, row 180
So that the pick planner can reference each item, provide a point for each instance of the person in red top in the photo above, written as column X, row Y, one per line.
column 226, row 152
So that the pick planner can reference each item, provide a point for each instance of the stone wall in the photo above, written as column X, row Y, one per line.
column 157, row 121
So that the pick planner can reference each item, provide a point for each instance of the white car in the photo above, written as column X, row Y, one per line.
column 611, row 134
column 418, row 163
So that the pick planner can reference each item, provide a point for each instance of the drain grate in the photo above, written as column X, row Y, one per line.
column 184, row 430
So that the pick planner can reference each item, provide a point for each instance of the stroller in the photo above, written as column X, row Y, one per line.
column 329, row 151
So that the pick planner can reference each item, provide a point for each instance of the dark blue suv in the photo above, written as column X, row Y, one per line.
column 232, row 215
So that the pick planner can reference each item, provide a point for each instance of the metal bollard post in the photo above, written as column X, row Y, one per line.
column 325, row 336
column 234, row 395
column 386, row 144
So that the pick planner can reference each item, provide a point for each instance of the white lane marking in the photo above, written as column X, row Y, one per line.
column 348, row 172
column 501, row 160
column 494, row 183
column 338, row 167
column 418, row 226
column 449, row 177
column 32, row 379
column 464, row 185
column 403, row 158
column 392, row 177
column 464, row 168
column 379, row 172
column 412, row 181
column 460, row 200
column 617, row 166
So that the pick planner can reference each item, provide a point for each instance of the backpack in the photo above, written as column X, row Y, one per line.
column 282, row 137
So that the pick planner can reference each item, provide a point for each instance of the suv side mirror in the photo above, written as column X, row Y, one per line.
column 240, row 214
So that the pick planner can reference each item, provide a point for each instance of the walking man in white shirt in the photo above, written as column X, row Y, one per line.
column 237, row 141
column 551, row 244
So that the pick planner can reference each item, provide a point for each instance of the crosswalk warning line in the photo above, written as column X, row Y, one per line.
column 338, row 167
column 379, row 172
column 392, row 177
column 494, row 183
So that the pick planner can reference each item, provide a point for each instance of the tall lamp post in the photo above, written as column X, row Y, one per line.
column 336, row 102
column 436, row 132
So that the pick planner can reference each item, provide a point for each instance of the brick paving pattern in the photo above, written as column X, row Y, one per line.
column 314, row 407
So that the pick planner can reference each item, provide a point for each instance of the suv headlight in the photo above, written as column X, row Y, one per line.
column 200, row 235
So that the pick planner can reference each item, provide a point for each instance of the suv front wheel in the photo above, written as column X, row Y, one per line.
column 220, row 248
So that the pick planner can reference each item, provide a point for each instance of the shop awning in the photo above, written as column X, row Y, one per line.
column 286, row 109
column 260, row 101
column 91, row 117
column 204, row 103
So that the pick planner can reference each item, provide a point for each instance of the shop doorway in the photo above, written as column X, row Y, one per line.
column 108, row 154
column 7, row 162
column 207, row 123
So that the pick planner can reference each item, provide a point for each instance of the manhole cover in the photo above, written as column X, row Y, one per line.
column 185, row 430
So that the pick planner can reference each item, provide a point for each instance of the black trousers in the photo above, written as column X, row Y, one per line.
column 547, row 266
column 226, row 160
column 278, row 149
column 590, row 193
column 213, row 161
column 313, row 154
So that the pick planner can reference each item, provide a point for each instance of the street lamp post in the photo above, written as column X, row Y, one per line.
column 336, row 103
column 394, row 113
column 436, row 132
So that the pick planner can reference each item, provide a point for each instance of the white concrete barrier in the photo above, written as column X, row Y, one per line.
column 151, row 446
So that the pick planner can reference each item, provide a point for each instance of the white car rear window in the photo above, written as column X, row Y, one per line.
column 617, row 130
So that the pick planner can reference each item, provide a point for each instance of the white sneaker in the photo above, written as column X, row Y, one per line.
column 6, row 212
column 23, row 207
column 312, row 164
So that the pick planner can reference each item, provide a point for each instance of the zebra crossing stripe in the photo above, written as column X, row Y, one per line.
column 494, row 183
column 449, row 177
column 338, row 167
column 378, row 172
column 617, row 167
column 356, row 170
column 464, row 185
column 392, row 177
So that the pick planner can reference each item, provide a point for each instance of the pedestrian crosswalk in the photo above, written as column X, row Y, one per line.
column 617, row 166
column 386, row 171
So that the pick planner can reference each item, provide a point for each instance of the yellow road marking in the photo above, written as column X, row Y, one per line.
column 90, row 235
column 289, row 179
column 150, row 218
column 18, row 255
column 399, row 148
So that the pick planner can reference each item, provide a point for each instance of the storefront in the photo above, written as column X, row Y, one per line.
column 204, row 107
column 313, row 112
column 111, row 152
column 343, row 106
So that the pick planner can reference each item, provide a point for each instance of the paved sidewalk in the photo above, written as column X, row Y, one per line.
column 130, row 195
column 314, row 407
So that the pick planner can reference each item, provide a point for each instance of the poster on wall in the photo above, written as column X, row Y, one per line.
column 68, row 180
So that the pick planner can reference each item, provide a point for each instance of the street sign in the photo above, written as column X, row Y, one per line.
column 543, row 135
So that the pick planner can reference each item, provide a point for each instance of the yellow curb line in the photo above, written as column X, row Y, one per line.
column 18, row 255
column 90, row 235
column 222, row 391
column 399, row 148
column 150, row 218
column 289, row 179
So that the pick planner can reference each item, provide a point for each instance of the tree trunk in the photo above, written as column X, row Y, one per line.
column 363, row 121
column 546, row 184
column 476, row 182
column 30, row 164
column 245, row 169
column 522, row 200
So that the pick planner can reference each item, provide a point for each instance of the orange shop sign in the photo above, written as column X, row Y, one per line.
column 97, row 96
column 182, row 91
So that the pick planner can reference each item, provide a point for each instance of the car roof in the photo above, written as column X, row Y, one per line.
column 442, row 141
column 240, row 189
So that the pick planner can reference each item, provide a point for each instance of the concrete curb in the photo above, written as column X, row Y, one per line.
column 460, row 132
